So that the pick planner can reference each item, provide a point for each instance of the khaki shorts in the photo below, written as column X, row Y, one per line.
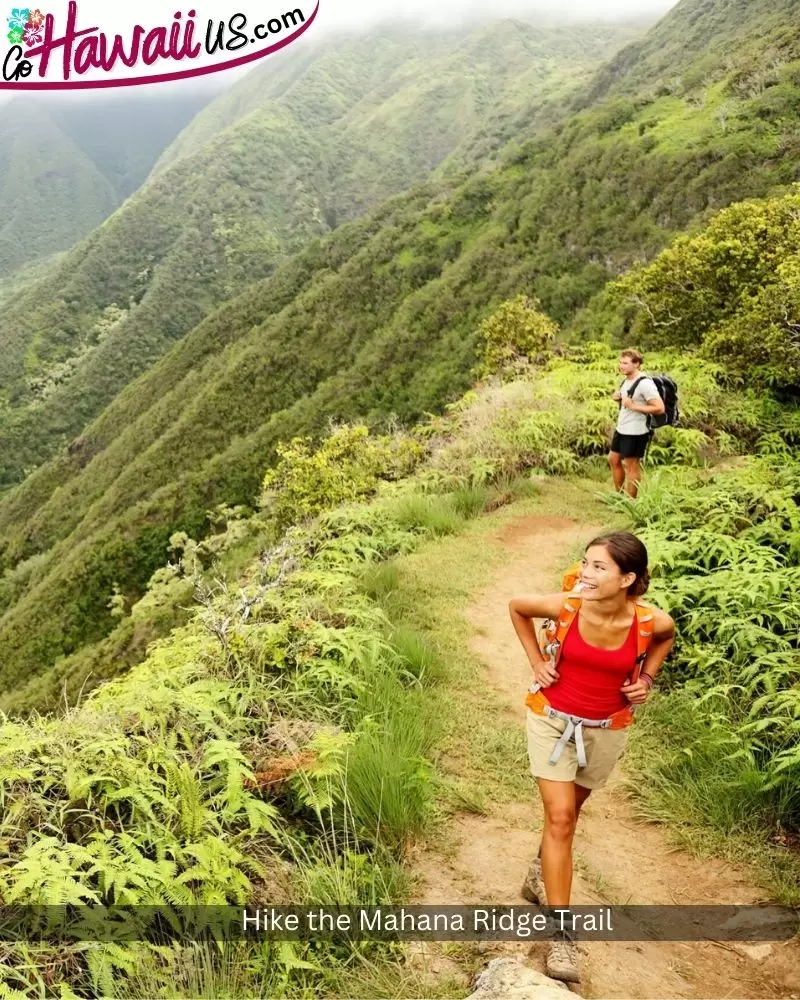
column 603, row 749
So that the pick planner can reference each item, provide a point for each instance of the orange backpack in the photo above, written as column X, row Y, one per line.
column 571, row 578
column 551, row 642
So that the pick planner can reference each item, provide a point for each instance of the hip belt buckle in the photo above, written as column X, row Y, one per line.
column 574, row 730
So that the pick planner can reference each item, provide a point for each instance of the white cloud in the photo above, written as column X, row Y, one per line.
column 355, row 12
column 337, row 13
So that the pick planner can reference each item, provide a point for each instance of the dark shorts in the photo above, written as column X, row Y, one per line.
column 630, row 445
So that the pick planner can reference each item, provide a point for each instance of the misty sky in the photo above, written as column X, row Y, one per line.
column 352, row 13
column 336, row 15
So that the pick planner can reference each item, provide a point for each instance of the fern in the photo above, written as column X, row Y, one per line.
column 218, row 873
column 725, row 553
column 51, row 873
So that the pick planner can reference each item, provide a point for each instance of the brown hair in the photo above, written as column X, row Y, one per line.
column 630, row 554
column 635, row 356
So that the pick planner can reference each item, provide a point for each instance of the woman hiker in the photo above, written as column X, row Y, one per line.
column 605, row 648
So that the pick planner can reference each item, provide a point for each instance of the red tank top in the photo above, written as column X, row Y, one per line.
column 590, row 678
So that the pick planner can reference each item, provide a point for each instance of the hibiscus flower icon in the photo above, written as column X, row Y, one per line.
column 35, row 18
column 15, row 36
column 19, row 18
column 33, row 35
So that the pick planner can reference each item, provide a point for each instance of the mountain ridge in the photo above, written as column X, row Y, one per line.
column 66, row 166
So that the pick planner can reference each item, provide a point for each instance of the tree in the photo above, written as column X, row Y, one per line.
column 733, row 291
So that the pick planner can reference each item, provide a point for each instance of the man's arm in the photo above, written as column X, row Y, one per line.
column 654, row 404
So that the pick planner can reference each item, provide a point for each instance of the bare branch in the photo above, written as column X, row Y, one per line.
column 637, row 300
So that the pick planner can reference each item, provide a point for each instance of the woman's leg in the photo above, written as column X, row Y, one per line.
column 560, row 801
column 581, row 795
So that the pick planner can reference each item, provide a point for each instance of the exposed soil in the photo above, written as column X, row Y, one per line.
column 619, row 859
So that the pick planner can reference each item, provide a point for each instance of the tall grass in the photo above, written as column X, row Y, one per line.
column 214, row 756
column 296, row 707
column 415, row 658
column 434, row 515
column 470, row 501
column 560, row 416
column 233, row 970
column 387, row 775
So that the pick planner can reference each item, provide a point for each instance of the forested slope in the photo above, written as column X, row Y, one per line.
column 66, row 165
column 52, row 193
column 702, row 41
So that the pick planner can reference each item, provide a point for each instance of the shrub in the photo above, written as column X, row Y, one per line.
column 726, row 555
column 345, row 468
column 516, row 334
column 733, row 291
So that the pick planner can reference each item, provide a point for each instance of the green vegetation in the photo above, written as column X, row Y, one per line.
column 551, row 423
column 262, row 487
column 726, row 552
column 125, row 136
column 517, row 334
column 740, row 277
column 203, row 424
column 52, row 193
column 192, row 435
column 280, row 744
column 696, row 42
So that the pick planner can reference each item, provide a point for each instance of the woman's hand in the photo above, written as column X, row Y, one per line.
column 617, row 397
column 544, row 672
column 637, row 694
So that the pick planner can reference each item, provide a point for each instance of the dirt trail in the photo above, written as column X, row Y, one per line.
column 619, row 859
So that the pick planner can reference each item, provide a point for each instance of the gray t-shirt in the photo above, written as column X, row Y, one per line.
column 631, row 422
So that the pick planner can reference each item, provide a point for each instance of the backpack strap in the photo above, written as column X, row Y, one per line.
column 555, row 632
column 636, row 384
column 645, row 621
column 571, row 578
column 552, row 642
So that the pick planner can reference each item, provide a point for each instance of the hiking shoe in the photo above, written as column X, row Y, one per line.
column 562, row 959
column 533, row 886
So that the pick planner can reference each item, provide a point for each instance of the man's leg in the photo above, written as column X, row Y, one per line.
column 617, row 469
column 633, row 469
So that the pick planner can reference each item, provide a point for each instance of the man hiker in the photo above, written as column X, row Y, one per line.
column 638, row 398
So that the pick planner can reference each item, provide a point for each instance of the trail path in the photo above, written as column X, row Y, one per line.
column 619, row 859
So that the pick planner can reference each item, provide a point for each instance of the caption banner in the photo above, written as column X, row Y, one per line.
column 399, row 923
